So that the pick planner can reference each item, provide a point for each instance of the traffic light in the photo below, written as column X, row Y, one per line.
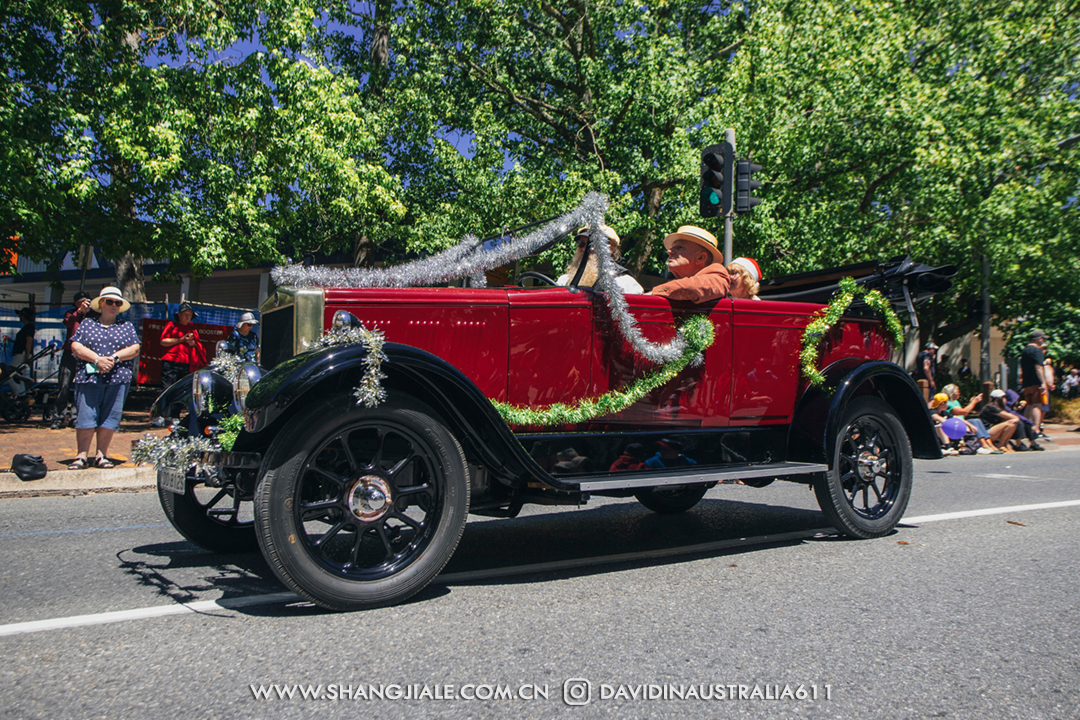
column 745, row 185
column 717, row 179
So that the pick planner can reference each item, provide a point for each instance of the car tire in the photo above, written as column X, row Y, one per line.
column 199, row 516
column 866, row 490
column 361, row 507
column 669, row 501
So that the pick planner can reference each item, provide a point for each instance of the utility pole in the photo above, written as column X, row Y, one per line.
column 984, row 351
column 729, row 218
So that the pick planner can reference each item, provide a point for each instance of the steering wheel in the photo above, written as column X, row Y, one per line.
column 536, row 275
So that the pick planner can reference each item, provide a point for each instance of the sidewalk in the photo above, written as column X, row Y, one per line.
column 58, row 448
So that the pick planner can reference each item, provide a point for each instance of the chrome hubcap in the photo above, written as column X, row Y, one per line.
column 369, row 498
column 871, row 465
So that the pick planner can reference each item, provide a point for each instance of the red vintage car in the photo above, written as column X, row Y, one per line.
column 357, row 507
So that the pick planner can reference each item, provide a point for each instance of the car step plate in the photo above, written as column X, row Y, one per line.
column 628, row 480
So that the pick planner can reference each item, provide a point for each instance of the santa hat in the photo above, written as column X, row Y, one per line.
column 750, row 266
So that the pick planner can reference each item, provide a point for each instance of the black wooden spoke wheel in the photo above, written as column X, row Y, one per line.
column 215, row 519
column 866, row 491
column 671, row 500
column 359, row 507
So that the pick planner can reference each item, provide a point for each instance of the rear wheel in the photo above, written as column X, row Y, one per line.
column 668, row 501
column 360, row 508
column 866, row 491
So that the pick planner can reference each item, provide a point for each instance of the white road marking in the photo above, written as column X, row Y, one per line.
column 142, row 613
column 287, row 597
column 988, row 511
column 999, row 476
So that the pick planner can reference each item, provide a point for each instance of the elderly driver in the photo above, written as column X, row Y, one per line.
column 698, row 267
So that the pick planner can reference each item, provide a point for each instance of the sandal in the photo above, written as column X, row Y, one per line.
column 79, row 464
column 104, row 463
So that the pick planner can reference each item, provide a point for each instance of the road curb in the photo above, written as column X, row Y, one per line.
column 80, row 482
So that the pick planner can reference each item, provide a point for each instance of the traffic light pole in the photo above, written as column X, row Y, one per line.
column 729, row 219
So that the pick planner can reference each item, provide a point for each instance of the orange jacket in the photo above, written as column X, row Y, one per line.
column 710, row 283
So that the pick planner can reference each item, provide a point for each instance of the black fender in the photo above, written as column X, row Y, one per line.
column 816, row 422
column 410, row 373
column 180, row 393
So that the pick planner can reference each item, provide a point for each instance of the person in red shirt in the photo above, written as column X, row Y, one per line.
column 697, row 264
column 183, row 352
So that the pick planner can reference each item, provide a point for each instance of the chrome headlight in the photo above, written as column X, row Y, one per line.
column 249, row 375
column 201, row 386
column 345, row 319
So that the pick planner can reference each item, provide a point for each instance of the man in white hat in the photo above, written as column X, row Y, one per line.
column 697, row 264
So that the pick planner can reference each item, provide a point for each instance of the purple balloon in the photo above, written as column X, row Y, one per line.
column 954, row 428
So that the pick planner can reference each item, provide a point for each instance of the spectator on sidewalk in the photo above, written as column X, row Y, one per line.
column 22, row 347
column 1025, row 429
column 185, row 354
column 955, row 409
column 964, row 372
column 1070, row 388
column 244, row 340
column 79, row 311
column 924, row 365
column 105, row 348
column 1036, row 386
column 1002, row 423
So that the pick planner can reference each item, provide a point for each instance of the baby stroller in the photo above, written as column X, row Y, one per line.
column 15, row 404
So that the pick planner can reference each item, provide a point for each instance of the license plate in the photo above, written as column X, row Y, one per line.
column 171, row 479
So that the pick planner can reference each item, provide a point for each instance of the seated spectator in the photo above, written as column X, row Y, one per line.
column 954, row 409
column 243, row 340
column 698, row 267
column 745, row 278
column 1026, row 428
column 1002, row 423
column 624, row 278
column 939, row 413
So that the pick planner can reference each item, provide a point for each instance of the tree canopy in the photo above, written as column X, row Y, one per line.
column 201, row 133
column 945, row 130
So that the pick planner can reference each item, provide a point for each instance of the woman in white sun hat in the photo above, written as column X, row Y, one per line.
column 745, row 278
column 244, row 340
column 105, row 349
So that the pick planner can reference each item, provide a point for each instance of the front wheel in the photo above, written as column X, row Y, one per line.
column 671, row 500
column 866, row 491
column 215, row 519
column 361, row 508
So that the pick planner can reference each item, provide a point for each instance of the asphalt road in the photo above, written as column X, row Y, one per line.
column 949, row 617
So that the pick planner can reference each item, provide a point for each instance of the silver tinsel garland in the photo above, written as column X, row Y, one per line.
column 227, row 364
column 469, row 259
column 370, row 391
column 173, row 450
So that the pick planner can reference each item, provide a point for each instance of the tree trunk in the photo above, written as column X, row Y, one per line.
column 129, row 278
column 653, row 195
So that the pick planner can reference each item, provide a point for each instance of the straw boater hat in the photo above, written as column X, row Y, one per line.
column 112, row 293
column 696, row 235
column 750, row 266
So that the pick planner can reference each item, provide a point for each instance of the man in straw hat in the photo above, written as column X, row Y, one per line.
column 591, row 273
column 697, row 264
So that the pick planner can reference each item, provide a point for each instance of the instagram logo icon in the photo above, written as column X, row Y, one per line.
column 577, row 691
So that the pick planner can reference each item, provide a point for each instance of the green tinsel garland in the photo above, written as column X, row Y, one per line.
column 818, row 327
column 230, row 425
column 698, row 332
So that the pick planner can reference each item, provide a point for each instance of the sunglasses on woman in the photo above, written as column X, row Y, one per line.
column 117, row 303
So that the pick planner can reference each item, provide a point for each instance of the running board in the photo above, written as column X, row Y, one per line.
column 700, row 476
